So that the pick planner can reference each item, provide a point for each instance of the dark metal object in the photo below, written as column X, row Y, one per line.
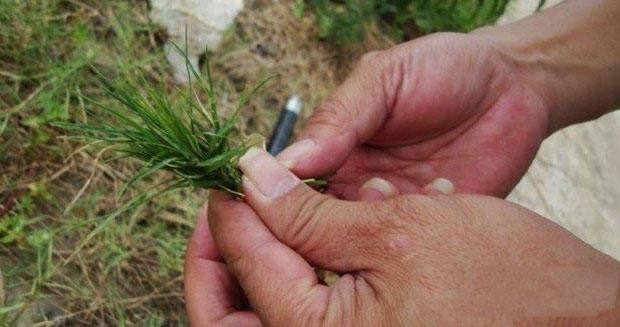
column 286, row 123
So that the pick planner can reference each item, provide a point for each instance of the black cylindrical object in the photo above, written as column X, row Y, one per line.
column 286, row 123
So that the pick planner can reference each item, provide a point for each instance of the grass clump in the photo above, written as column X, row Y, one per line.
column 65, row 258
column 192, row 141
column 344, row 21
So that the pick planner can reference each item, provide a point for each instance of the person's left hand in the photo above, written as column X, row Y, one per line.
column 459, row 107
column 432, row 260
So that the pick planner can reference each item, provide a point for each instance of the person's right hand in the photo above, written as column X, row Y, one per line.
column 439, row 260
column 448, row 105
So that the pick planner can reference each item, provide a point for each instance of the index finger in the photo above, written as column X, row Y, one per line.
column 349, row 118
column 211, row 292
column 277, row 281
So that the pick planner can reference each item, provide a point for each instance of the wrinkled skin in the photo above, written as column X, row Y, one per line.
column 430, row 260
column 471, row 109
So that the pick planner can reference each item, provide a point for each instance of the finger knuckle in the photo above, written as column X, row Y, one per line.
column 305, row 225
column 388, row 230
column 382, row 221
column 373, row 229
column 332, row 113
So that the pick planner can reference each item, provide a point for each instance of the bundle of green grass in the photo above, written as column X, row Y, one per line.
column 192, row 140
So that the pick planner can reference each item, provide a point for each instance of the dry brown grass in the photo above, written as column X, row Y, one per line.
column 98, row 268
column 269, row 40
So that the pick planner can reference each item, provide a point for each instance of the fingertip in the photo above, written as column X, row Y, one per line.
column 376, row 189
column 439, row 186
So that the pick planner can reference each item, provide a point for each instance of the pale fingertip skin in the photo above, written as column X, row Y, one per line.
column 376, row 189
column 439, row 186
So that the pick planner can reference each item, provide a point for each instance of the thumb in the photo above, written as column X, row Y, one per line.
column 350, row 117
column 329, row 233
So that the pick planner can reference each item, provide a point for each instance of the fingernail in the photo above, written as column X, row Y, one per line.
column 441, row 185
column 269, row 176
column 377, row 189
column 292, row 155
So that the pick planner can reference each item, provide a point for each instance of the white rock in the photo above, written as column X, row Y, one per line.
column 205, row 22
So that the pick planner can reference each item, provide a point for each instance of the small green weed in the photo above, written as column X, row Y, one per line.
column 344, row 21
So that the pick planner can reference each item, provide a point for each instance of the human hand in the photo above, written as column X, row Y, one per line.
column 472, row 108
column 427, row 260
column 444, row 106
